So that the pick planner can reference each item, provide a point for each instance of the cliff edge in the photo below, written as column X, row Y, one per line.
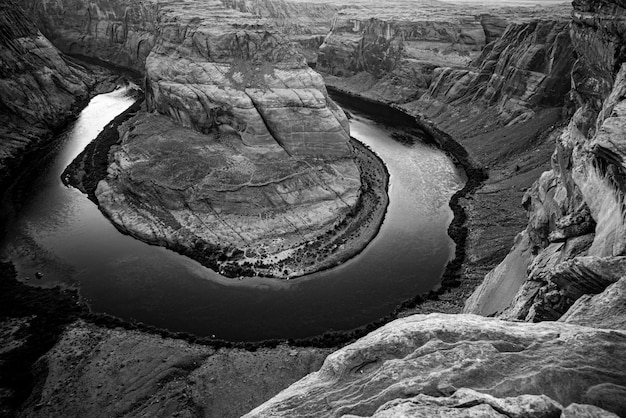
column 41, row 89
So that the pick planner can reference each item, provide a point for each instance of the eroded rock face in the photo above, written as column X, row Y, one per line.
column 416, row 364
column 114, row 31
column 245, row 157
column 305, row 23
column 40, row 89
column 576, row 210
column 209, row 194
column 604, row 310
column 395, row 52
column 209, row 69
column 527, row 67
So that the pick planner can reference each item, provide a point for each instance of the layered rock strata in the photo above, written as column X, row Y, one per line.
column 41, row 89
column 245, row 161
column 305, row 23
column 117, row 32
column 278, row 171
column 390, row 52
column 526, row 68
column 463, row 365
column 575, row 235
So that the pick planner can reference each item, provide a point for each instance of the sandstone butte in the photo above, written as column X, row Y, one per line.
column 535, row 94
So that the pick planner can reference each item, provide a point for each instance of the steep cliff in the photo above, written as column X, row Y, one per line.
column 305, row 23
column 390, row 52
column 263, row 163
column 118, row 32
column 526, row 68
column 277, row 171
column 575, row 238
column 40, row 88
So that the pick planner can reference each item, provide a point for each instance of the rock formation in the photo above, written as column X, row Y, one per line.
column 390, row 52
column 507, row 107
column 265, row 166
column 526, row 68
column 41, row 89
column 263, row 163
column 305, row 23
column 463, row 365
column 575, row 235
column 117, row 32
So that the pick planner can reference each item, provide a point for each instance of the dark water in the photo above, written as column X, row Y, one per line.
column 59, row 232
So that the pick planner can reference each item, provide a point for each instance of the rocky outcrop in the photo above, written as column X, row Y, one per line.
column 604, row 310
column 40, row 88
column 222, row 197
column 114, row 31
column 576, row 212
column 462, row 365
column 213, row 67
column 526, row 68
column 286, row 173
column 392, row 52
column 264, row 166
column 305, row 23
column 99, row 372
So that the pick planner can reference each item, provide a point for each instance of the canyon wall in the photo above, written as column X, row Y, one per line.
column 41, row 89
column 569, row 259
column 305, row 23
column 264, row 163
column 528, row 67
column 391, row 52
column 118, row 32
column 574, row 242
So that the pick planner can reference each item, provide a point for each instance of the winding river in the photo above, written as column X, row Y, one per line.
column 56, row 230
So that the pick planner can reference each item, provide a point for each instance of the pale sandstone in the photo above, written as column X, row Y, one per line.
column 424, row 354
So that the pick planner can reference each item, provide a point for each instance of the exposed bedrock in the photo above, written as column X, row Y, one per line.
column 526, row 68
column 119, row 32
column 244, row 153
column 211, row 194
column 604, row 310
column 396, row 52
column 40, row 89
column 576, row 235
column 305, row 23
column 463, row 365
column 235, row 87
column 214, row 67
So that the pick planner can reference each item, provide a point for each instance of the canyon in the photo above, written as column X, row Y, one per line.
column 534, row 95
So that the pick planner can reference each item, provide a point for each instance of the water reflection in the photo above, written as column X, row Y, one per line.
column 59, row 232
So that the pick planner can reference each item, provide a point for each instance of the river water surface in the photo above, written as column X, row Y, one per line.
column 56, row 230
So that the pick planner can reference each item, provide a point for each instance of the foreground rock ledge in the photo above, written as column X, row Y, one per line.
column 423, row 359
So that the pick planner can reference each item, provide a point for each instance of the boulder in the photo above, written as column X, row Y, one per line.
column 603, row 310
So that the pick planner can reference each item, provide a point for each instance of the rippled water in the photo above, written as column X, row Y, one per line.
column 56, row 230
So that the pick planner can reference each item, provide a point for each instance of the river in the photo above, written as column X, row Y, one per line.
column 56, row 230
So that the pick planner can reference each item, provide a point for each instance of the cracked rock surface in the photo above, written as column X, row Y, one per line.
column 411, row 366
